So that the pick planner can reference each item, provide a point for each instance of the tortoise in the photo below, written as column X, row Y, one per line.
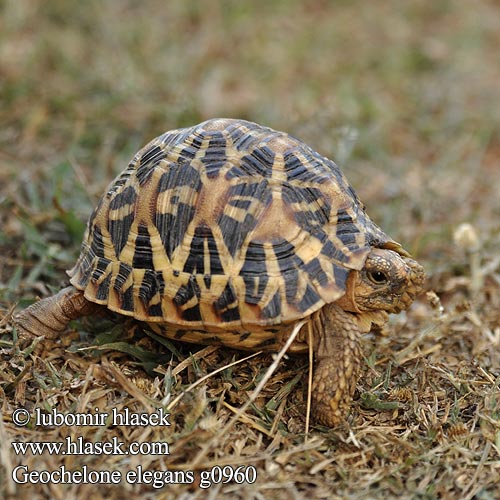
column 229, row 232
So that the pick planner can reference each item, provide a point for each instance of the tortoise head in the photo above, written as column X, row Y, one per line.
column 387, row 282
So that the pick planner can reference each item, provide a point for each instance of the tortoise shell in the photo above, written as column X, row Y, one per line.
column 227, row 226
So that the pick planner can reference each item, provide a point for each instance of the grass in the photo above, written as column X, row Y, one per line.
column 403, row 94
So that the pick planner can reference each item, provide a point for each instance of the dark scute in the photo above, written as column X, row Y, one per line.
column 348, row 239
column 179, row 174
column 169, row 138
column 172, row 227
column 343, row 217
column 340, row 274
column 84, row 269
column 346, row 229
column 232, row 314
column 127, row 299
column 258, row 190
column 123, row 273
column 155, row 310
column 264, row 155
column 119, row 231
column 286, row 255
column 293, row 166
column 196, row 140
column 160, row 280
column 334, row 253
column 235, row 171
column 273, row 308
column 207, row 279
column 149, row 160
column 226, row 305
column 258, row 163
column 195, row 261
column 187, row 292
column 255, row 286
column 149, row 287
column 103, row 288
column 309, row 299
column 243, row 204
column 193, row 143
column 143, row 254
column 122, row 180
column 100, row 269
column 84, row 265
column 235, row 232
column 213, row 169
column 242, row 140
column 295, row 194
column 153, row 155
column 217, row 144
column 309, row 220
column 215, row 155
column 215, row 262
column 291, row 278
column 126, row 197
column 316, row 272
column 227, row 299
column 289, row 263
column 144, row 173
column 97, row 245
column 188, row 153
column 255, row 260
column 297, row 170
column 192, row 314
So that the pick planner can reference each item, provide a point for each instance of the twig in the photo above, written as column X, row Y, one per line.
column 207, row 376
column 203, row 452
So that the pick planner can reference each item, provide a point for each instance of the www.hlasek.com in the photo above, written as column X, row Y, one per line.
column 21, row 474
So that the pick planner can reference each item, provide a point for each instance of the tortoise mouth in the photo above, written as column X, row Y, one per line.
column 414, row 284
column 417, row 277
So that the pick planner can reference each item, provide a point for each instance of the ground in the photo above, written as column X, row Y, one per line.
column 403, row 95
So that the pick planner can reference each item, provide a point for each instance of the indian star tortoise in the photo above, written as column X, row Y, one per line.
column 229, row 233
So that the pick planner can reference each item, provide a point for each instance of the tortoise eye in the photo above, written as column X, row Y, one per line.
column 378, row 277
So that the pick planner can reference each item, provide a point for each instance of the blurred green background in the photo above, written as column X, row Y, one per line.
column 404, row 95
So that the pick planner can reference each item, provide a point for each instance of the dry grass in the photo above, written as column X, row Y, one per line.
column 403, row 94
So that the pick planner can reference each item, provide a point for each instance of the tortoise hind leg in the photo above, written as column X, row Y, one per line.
column 338, row 363
column 50, row 316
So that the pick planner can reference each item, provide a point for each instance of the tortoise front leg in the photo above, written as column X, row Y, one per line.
column 50, row 316
column 338, row 357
